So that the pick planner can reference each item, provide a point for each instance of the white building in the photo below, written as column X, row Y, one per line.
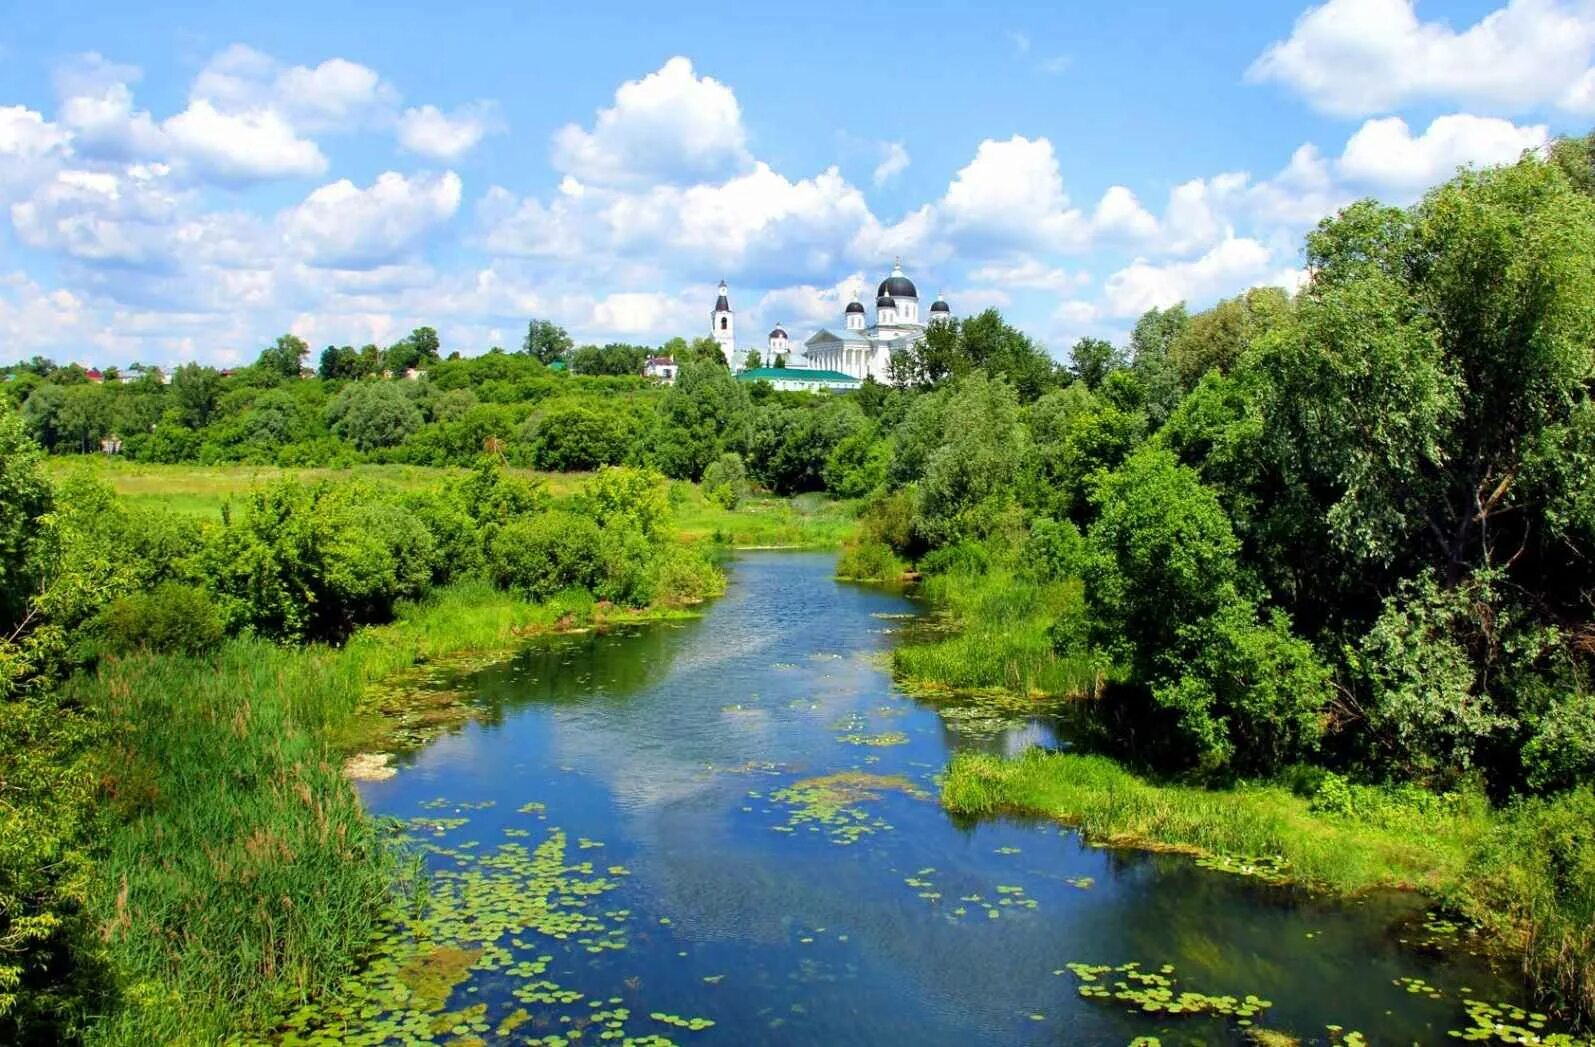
column 857, row 348
column 863, row 349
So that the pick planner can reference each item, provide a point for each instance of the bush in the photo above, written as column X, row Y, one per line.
column 866, row 559
column 628, row 573
column 725, row 482
column 171, row 618
column 374, row 414
column 683, row 577
column 636, row 499
column 541, row 555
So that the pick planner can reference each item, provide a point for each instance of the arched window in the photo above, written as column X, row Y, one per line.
column 722, row 323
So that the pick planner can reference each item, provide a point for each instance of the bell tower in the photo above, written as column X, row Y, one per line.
column 722, row 327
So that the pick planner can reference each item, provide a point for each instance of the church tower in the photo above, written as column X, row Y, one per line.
column 722, row 328
column 854, row 317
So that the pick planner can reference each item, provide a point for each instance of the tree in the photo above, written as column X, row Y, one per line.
column 1150, row 345
column 1092, row 360
column 284, row 357
column 753, row 361
column 196, row 389
column 373, row 414
column 702, row 416
column 546, row 340
column 338, row 363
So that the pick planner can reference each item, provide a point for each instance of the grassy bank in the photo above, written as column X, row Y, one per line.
column 998, row 633
column 1525, row 875
column 238, row 872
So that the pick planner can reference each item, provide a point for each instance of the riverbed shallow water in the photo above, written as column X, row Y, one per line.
column 725, row 831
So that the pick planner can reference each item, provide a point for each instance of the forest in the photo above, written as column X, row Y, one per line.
column 1339, row 543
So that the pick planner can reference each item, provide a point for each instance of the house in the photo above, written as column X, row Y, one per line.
column 95, row 375
column 660, row 368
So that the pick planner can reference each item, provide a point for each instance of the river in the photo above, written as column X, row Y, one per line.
column 725, row 831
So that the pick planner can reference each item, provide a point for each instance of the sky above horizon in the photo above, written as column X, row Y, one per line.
column 186, row 182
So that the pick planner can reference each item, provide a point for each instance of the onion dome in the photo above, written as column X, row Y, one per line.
column 855, row 307
column 778, row 332
column 940, row 305
column 897, row 285
column 885, row 301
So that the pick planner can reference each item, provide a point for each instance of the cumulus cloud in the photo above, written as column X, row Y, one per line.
column 1030, row 273
column 101, row 216
column 672, row 126
column 343, row 226
column 1386, row 153
column 27, row 135
column 1012, row 193
column 429, row 131
column 1234, row 264
column 336, row 95
column 894, row 162
column 1119, row 213
column 1360, row 57
column 247, row 146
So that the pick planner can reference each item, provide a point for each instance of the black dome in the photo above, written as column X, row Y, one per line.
column 939, row 306
column 897, row 286
column 855, row 307
column 885, row 301
column 778, row 333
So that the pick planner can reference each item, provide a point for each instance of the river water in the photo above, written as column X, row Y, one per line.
column 734, row 822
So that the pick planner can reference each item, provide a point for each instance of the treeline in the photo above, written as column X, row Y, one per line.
column 400, row 404
column 88, row 581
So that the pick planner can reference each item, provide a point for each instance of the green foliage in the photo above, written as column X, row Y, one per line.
column 545, row 341
column 283, row 358
column 725, row 482
column 967, row 483
column 541, row 555
column 868, row 559
column 701, row 417
column 578, row 434
column 632, row 499
column 1092, row 360
column 858, row 464
column 171, row 617
column 613, row 359
column 788, row 447
column 24, row 499
column 373, row 414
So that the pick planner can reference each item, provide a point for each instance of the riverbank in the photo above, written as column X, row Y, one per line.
column 239, row 872
column 1525, row 875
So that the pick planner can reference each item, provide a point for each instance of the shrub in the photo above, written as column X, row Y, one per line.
column 866, row 559
column 171, row 618
column 628, row 573
column 683, row 577
column 540, row 555
column 631, row 498
column 725, row 482
column 374, row 414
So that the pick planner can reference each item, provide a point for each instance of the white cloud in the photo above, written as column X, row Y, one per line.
column 1030, row 274
column 33, row 319
column 1385, row 152
column 1077, row 312
column 446, row 136
column 336, row 95
column 671, row 126
column 104, row 124
column 99, row 216
column 27, row 135
column 343, row 226
column 894, row 162
column 1012, row 193
column 250, row 146
column 1021, row 42
column 1119, row 213
column 1235, row 263
column 1360, row 57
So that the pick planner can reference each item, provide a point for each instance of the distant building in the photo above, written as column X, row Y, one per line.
column 111, row 445
column 801, row 379
column 95, row 375
column 661, row 369
column 856, row 349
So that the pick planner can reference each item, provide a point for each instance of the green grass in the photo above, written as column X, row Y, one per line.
column 239, row 873
column 763, row 521
column 202, row 490
column 999, row 637
column 1525, row 875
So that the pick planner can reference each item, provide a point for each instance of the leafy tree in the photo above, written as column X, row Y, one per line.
column 284, row 357
column 43, row 414
column 1092, row 360
column 1215, row 340
column 704, row 414
column 968, row 480
column 725, row 482
column 338, row 362
column 196, row 390
column 754, row 360
column 635, row 499
column 546, row 341
column 545, row 554
column 373, row 414
column 616, row 358
column 1151, row 358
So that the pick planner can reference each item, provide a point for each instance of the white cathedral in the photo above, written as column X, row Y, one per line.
column 857, row 349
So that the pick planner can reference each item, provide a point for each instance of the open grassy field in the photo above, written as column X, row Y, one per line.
column 807, row 521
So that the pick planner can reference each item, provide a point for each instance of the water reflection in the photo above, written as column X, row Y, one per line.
column 788, row 904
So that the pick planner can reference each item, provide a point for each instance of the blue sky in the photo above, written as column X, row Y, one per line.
column 188, row 181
